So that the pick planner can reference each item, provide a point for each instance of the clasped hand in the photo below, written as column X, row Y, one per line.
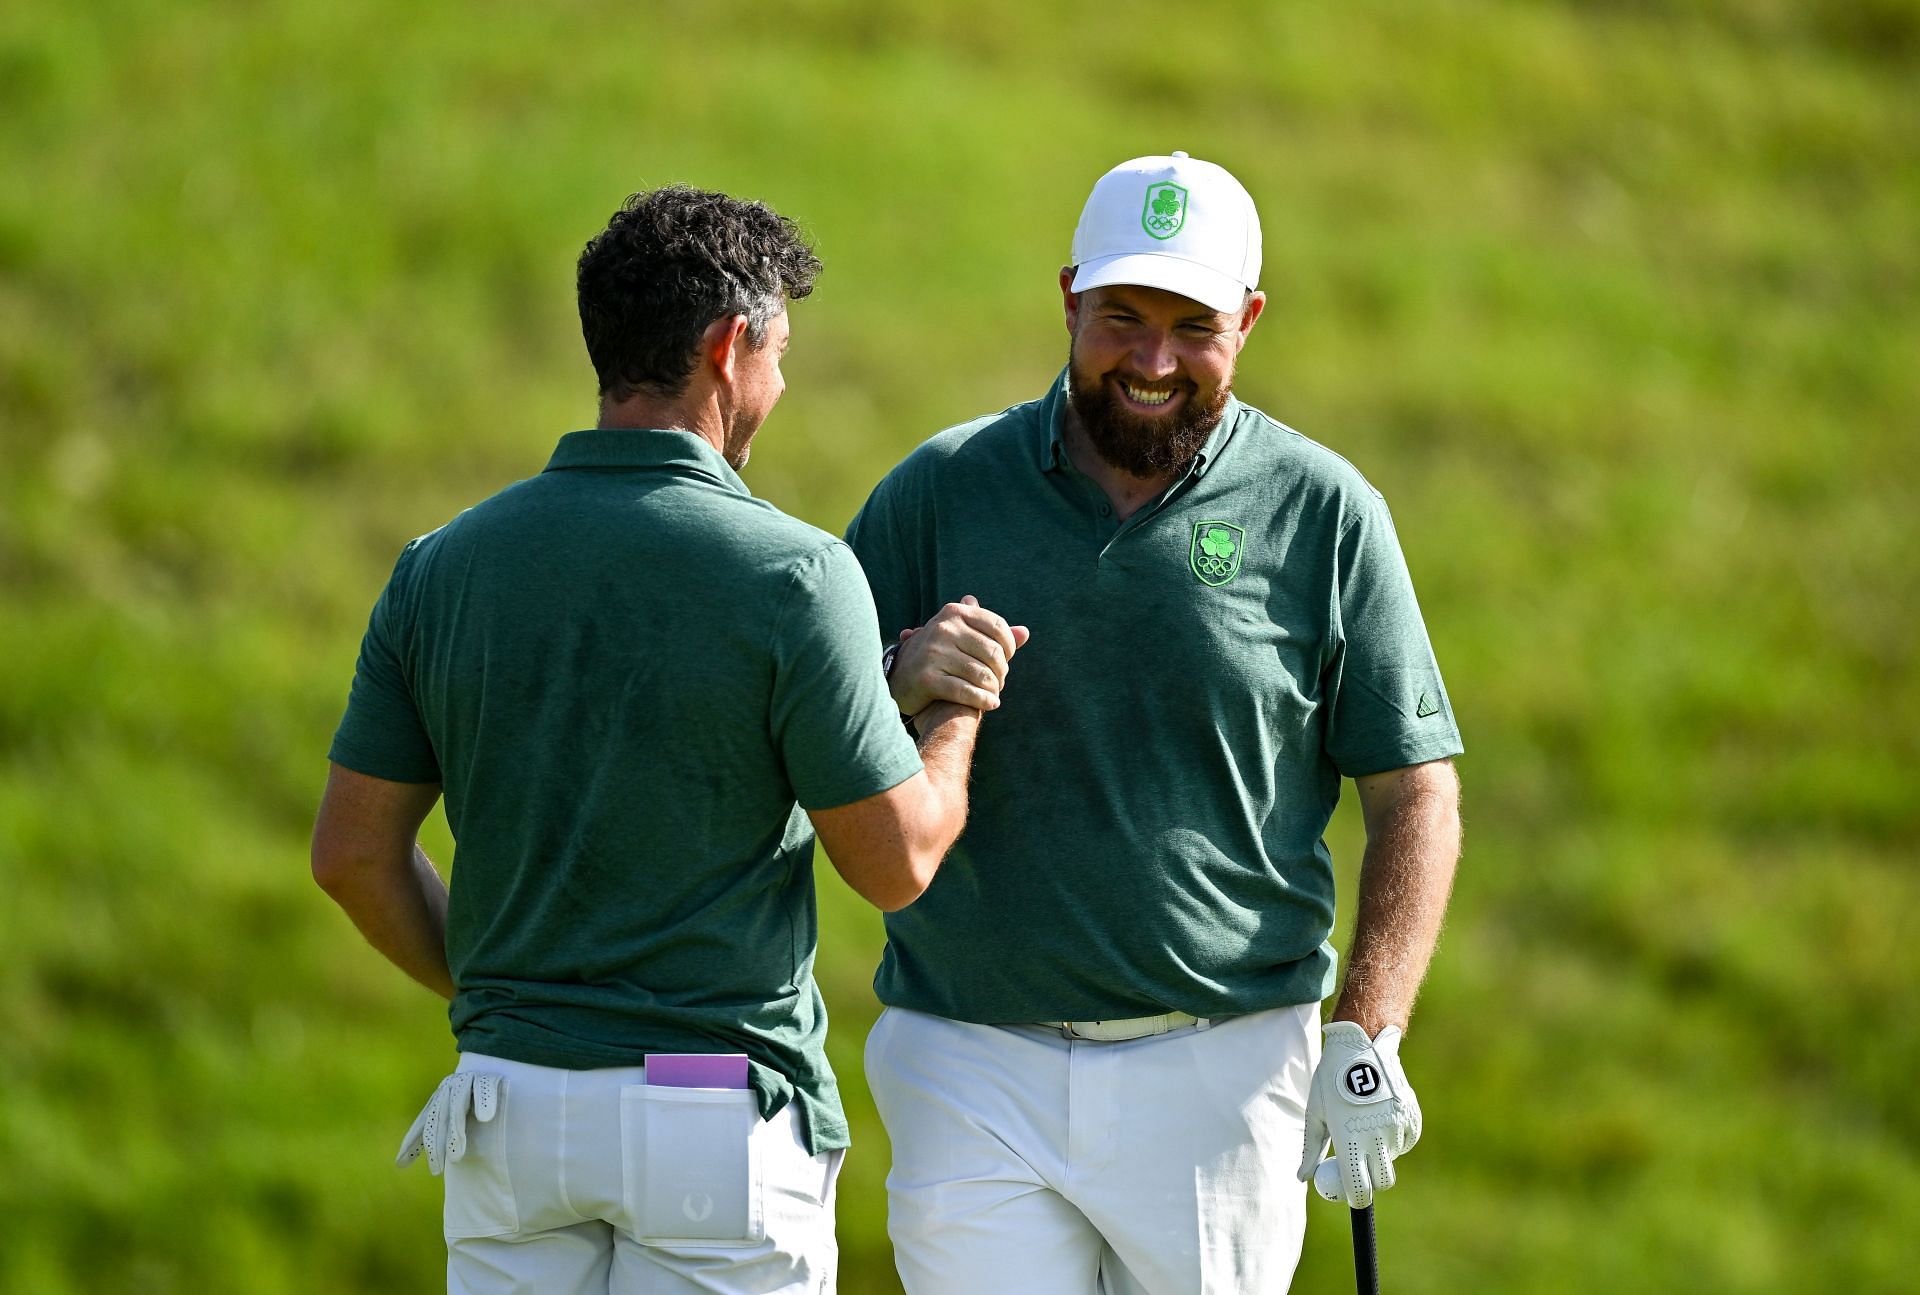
column 961, row 655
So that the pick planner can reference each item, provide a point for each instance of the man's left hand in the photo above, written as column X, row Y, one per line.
column 1360, row 1098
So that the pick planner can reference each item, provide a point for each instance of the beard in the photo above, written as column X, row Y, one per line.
column 1149, row 446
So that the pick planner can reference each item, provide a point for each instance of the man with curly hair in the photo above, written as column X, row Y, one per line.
column 642, row 692
column 1101, row 1065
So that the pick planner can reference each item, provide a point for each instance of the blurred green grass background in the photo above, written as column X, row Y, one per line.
column 1616, row 303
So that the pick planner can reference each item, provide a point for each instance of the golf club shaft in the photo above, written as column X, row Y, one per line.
column 1366, row 1261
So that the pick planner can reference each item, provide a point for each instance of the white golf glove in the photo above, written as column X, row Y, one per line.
column 1361, row 1098
column 441, row 1129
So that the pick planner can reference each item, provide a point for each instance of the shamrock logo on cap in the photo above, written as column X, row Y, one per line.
column 1166, row 209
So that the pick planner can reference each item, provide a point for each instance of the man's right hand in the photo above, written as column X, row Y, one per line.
column 961, row 656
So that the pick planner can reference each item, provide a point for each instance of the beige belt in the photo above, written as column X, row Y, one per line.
column 1135, row 1027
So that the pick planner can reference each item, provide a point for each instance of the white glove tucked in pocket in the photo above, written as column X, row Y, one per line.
column 440, row 1130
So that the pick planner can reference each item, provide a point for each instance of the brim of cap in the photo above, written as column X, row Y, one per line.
column 1209, row 287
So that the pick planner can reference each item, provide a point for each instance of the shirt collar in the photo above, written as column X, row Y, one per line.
column 631, row 449
column 1053, row 421
column 1216, row 442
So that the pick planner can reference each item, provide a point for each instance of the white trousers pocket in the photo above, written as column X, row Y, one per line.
column 691, row 1166
column 480, row 1199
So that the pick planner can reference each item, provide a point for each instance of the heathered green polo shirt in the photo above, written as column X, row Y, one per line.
column 624, row 672
column 1147, row 805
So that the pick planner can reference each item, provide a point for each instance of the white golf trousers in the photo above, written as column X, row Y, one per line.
column 1025, row 1163
column 555, row 1192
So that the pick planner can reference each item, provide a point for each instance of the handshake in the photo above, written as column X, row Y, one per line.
column 961, row 656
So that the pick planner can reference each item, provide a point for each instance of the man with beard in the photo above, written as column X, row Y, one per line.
column 1101, row 1063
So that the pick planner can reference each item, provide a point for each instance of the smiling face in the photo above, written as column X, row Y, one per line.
column 1150, row 371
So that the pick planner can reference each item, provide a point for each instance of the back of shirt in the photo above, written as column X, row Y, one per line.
column 625, row 672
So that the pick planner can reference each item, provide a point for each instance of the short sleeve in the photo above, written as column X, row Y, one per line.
column 1387, row 706
column 382, row 734
column 874, row 535
column 836, row 727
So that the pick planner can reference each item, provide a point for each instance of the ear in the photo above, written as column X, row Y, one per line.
column 721, row 343
column 1255, row 304
column 1070, row 299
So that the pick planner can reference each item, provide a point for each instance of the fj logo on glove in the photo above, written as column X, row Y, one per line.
column 1363, row 1081
column 697, row 1206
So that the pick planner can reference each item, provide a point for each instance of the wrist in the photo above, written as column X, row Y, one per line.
column 889, row 659
column 938, row 714
column 1366, row 1024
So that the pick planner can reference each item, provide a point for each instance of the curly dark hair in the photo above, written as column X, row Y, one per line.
column 669, row 263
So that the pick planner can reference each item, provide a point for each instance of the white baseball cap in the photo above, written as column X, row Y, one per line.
column 1170, row 222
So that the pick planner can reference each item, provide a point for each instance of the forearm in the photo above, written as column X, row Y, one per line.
column 1406, row 876
column 946, row 734
column 401, row 909
column 889, row 846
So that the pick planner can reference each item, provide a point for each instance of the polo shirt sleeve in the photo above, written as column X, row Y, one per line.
column 1386, row 705
column 887, row 557
column 833, row 720
column 382, row 734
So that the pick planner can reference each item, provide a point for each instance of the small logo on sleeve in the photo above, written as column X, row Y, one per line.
column 1215, row 552
column 1428, row 705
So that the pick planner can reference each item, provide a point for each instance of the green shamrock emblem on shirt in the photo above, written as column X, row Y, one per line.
column 1216, row 552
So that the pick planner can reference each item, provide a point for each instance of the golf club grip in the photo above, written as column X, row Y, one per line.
column 1366, row 1260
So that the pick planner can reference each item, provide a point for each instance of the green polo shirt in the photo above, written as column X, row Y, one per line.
column 1148, row 804
column 624, row 673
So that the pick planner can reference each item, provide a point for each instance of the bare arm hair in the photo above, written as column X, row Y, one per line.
column 367, row 858
column 888, row 846
column 1413, row 845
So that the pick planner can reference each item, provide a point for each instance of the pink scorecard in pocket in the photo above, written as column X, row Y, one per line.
column 697, row 1069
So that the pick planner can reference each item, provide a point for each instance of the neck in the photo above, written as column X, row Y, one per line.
column 1126, row 492
column 689, row 412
